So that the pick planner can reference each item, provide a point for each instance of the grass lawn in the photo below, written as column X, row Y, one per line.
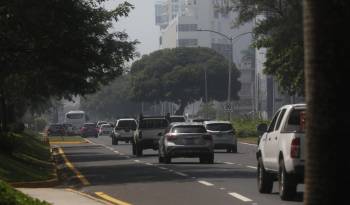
column 10, row 196
column 30, row 161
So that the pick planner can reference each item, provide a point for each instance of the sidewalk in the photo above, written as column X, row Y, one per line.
column 58, row 196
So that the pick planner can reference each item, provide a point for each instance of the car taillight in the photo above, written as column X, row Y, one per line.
column 170, row 137
column 207, row 137
column 83, row 129
column 97, row 129
column 295, row 148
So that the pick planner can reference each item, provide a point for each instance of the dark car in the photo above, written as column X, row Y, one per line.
column 89, row 130
column 56, row 130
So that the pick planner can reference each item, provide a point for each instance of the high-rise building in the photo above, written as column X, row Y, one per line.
column 179, row 22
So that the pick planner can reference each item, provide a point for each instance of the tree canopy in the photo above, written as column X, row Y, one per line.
column 58, row 48
column 178, row 75
column 279, row 29
column 111, row 101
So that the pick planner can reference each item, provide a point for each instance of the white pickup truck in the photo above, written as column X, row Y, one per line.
column 280, row 152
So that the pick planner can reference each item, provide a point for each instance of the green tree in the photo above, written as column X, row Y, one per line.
column 279, row 29
column 177, row 75
column 57, row 48
column 112, row 101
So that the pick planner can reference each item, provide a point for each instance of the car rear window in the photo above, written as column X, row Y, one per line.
column 293, row 123
column 189, row 129
column 177, row 119
column 75, row 116
column 219, row 127
column 56, row 127
column 153, row 124
column 89, row 125
column 127, row 124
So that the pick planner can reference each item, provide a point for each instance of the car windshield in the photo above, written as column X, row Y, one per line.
column 219, row 127
column 153, row 123
column 75, row 115
column 189, row 129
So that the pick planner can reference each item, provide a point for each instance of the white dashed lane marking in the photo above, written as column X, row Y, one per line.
column 240, row 197
column 206, row 183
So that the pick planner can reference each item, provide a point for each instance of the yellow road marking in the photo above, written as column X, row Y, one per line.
column 111, row 199
column 83, row 180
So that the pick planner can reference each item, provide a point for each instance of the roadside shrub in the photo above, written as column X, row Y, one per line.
column 247, row 127
column 40, row 124
column 8, row 142
column 10, row 196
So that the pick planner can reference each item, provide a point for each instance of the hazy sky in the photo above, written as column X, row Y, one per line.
column 140, row 24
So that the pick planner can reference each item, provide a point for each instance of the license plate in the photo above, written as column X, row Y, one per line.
column 189, row 141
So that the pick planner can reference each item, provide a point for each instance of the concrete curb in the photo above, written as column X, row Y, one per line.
column 89, row 196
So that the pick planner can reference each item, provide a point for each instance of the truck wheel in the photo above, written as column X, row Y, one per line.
column 287, row 183
column 160, row 159
column 265, row 179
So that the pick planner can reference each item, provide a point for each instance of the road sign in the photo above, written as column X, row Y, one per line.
column 228, row 107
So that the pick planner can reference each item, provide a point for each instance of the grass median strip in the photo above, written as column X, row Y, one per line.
column 66, row 140
column 111, row 199
column 81, row 177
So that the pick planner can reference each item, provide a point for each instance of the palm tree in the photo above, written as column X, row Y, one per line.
column 325, row 43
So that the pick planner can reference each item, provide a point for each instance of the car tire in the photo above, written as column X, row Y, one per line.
column 287, row 183
column 265, row 179
column 228, row 150
column 139, row 150
column 133, row 148
column 167, row 160
column 160, row 159
column 210, row 159
column 234, row 149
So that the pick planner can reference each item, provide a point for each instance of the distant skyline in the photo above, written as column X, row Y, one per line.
column 140, row 24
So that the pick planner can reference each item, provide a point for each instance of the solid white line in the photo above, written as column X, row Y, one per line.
column 206, row 183
column 136, row 160
column 240, row 197
column 149, row 164
column 229, row 163
column 222, row 188
column 181, row 174
column 252, row 167
column 116, row 152
column 163, row 168
column 248, row 144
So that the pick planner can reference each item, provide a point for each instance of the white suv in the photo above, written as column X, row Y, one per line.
column 123, row 130
column 280, row 152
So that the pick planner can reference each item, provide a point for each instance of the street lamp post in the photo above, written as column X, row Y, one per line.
column 230, row 38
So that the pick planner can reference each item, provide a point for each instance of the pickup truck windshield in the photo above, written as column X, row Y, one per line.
column 131, row 124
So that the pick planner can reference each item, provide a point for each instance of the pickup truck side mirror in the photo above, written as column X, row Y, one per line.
column 261, row 128
column 160, row 134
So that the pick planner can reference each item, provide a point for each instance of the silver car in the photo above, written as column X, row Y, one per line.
column 186, row 140
column 223, row 135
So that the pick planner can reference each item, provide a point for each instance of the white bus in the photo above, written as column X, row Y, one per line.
column 77, row 119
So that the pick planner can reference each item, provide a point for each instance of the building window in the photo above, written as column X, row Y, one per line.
column 186, row 27
column 187, row 42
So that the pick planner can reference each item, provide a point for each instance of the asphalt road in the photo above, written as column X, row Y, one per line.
column 113, row 170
